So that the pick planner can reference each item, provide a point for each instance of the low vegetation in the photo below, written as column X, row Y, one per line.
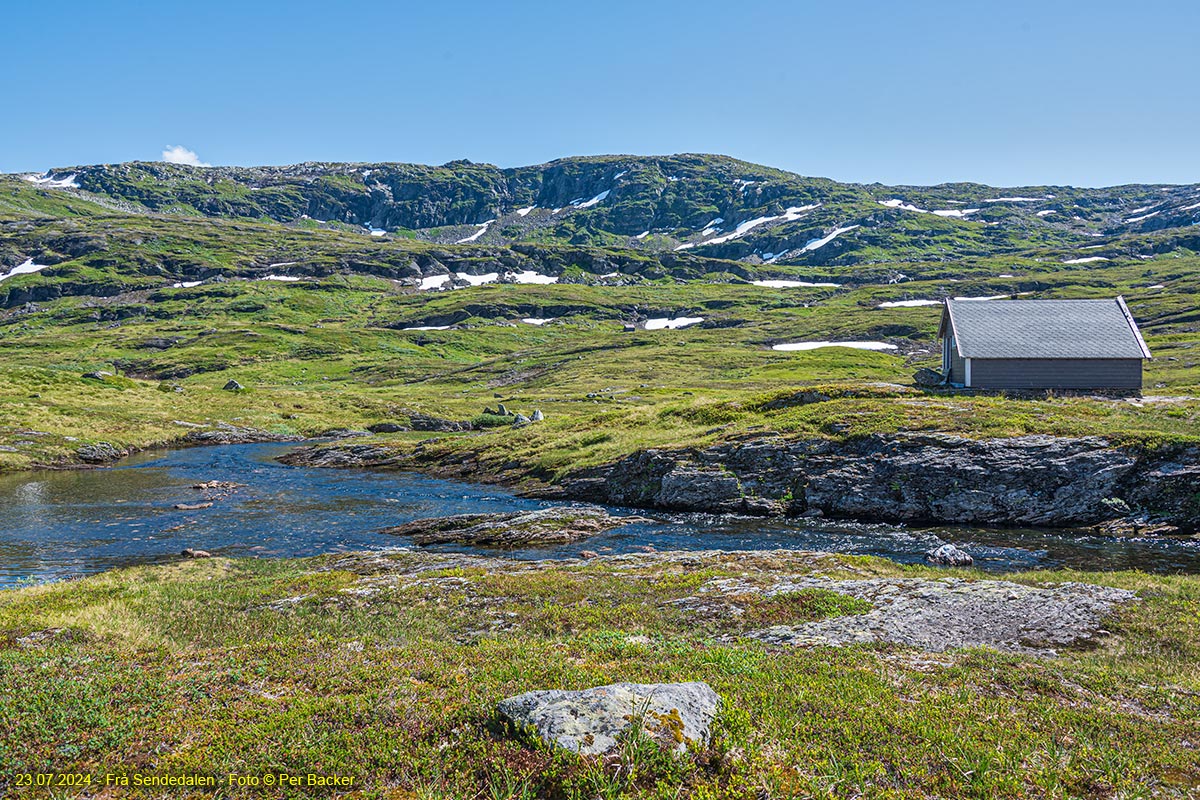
column 388, row 668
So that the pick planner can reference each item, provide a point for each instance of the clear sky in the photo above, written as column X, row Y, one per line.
column 1006, row 92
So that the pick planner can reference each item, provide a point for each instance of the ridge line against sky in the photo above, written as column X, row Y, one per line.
column 1019, row 93
column 191, row 159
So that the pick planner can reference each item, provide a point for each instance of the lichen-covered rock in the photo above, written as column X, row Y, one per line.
column 594, row 721
column 941, row 614
column 544, row 526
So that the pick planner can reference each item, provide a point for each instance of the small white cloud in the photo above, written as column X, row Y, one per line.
column 178, row 154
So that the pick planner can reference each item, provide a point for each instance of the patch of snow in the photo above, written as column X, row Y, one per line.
column 367, row 172
column 790, row 215
column 282, row 264
column 1006, row 275
column 816, row 244
column 524, row 211
column 1019, row 199
column 679, row 322
column 537, row 320
column 687, row 246
column 1156, row 286
column 281, row 278
column 1087, row 260
column 784, row 284
column 896, row 202
column 610, row 275
column 989, row 297
column 434, row 281
column 186, row 284
column 1047, row 212
column 1139, row 219
column 620, row 174
column 642, row 235
column 26, row 268
column 50, row 182
column 673, row 178
column 1140, row 210
column 429, row 328
column 483, row 226
column 478, row 280
column 909, row 303
column 817, row 345
column 951, row 212
column 589, row 203
column 555, row 211
column 377, row 231
column 530, row 276
column 1190, row 208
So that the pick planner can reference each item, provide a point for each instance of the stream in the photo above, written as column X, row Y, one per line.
column 60, row 524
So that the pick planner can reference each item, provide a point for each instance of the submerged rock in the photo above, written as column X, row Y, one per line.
column 594, row 721
column 544, row 526
column 189, row 552
column 950, row 556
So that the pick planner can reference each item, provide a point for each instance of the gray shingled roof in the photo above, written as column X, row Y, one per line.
column 1045, row 329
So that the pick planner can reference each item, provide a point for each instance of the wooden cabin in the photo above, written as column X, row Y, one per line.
column 1041, row 344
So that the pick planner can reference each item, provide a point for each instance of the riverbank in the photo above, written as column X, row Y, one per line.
column 388, row 667
column 924, row 478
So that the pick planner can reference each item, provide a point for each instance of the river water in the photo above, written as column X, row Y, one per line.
column 56, row 525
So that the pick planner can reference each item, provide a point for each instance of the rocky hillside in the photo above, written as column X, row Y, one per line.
column 715, row 206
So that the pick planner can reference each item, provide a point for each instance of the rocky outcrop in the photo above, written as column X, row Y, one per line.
column 942, row 614
column 544, row 526
column 596, row 721
column 1029, row 480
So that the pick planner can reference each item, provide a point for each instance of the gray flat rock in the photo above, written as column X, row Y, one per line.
column 938, row 615
column 593, row 721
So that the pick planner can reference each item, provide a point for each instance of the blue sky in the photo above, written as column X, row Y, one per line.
column 1008, row 93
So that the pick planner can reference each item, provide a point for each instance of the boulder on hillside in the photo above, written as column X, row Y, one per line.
column 233, row 386
column 928, row 377
column 594, row 721
column 544, row 526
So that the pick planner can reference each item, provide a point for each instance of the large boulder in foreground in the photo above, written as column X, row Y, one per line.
column 544, row 526
column 594, row 721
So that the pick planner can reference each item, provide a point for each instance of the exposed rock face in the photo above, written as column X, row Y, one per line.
column 594, row 721
column 1028, row 480
column 941, row 614
column 949, row 556
column 233, row 386
column 544, row 526
column 230, row 434
column 386, row 427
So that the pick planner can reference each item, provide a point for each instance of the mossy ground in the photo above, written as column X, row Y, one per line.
column 332, row 353
column 388, row 668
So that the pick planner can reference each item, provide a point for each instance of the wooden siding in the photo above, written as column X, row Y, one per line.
column 958, row 366
column 1055, row 373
